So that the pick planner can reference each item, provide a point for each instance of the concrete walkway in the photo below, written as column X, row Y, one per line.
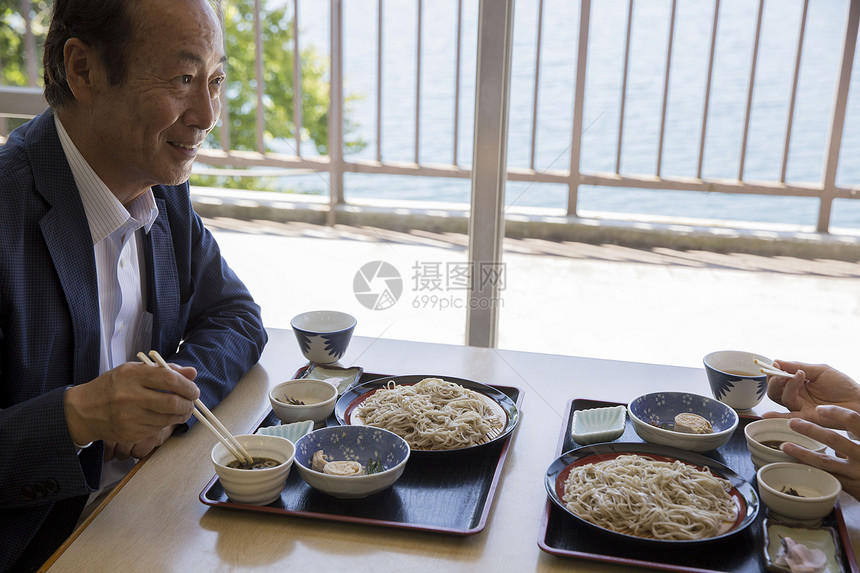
column 654, row 304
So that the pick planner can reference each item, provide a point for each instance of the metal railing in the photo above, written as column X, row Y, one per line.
column 336, row 163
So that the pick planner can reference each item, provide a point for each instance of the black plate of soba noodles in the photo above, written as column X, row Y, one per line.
column 600, row 493
column 476, row 415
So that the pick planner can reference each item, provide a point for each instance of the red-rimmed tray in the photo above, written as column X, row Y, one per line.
column 563, row 535
column 453, row 498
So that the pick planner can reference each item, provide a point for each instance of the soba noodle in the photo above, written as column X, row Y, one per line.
column 432, row 414
column 647, row 498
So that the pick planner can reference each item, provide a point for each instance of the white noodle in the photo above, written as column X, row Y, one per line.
column 638, row 496
column 432, row 414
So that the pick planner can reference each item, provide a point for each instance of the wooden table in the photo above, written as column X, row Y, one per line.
column 155, row 521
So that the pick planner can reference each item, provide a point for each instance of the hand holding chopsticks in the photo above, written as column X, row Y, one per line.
column 205, row 415
column 772, row 370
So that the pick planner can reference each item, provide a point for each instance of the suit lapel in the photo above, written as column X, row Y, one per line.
column 162, row 278
column 67, row 236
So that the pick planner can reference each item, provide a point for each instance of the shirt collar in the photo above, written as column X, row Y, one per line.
column 105, row 213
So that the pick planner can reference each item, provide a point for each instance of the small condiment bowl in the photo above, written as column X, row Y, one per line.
column 352, row 443
column 760, row 432
column 816, row 492
column 651, row 415
column 317, row 399
column 255, row 487
column 597, row 424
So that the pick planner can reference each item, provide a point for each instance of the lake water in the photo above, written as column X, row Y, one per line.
column 737, row 18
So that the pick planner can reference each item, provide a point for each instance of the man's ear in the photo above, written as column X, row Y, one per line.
column 82, row 68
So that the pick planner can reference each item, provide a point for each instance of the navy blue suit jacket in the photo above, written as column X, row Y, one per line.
column 203, row 316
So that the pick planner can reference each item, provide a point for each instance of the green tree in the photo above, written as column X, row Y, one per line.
column 13, row 63
column 241, row 83
column 279, row 93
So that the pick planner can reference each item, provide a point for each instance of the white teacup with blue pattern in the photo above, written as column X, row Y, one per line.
column 735, row 378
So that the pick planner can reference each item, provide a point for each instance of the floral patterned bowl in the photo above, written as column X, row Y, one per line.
column 366, row 445
column 653, row 418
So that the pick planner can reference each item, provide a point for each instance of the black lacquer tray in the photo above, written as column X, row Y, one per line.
column 453, row 497
column 563, row 535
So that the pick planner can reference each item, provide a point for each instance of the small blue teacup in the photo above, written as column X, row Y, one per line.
column 735, row 378
column 323, row 335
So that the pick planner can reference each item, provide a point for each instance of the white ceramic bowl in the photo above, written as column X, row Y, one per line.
column 817, row 491
column 256, row 487
column 352, row 443
column 652, row 413
column 323, row 335
column 317, row 396
column 776, row 430
column 598, row 424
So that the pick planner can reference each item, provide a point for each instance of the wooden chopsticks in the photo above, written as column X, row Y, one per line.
column 205, row 415
column 772, row 370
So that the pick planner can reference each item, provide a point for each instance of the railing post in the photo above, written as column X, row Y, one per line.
column 259, row 77
column 225, row 101
column 578, row 105
column 31, row 55
column 834, row 139
column 297, row 81
column 489, row 170
column 335, row 116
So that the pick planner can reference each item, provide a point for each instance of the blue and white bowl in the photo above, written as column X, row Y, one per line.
column 735, row 378
column 652, row 413
column 352, row 443
column 323, row 335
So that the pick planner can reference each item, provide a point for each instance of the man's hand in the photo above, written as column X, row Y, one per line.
column 130, row 404
column 141, row 449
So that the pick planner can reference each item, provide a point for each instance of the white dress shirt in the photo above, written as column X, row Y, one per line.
column 126, row 327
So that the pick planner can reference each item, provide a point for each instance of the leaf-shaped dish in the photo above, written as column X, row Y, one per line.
column 598, row 425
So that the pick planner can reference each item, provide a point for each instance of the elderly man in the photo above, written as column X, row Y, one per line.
column 102, row 257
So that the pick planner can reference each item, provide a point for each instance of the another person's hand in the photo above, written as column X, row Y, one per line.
column 812, row 385
column 130, row 403
column 845, row 466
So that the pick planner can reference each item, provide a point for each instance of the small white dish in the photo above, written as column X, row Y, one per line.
column 823, row 539
column 292, row 432
column 315, row 398
column 797, row 493
column 259, row 486
column 772, row 431
column 598, row 424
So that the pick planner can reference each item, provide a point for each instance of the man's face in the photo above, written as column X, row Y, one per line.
column 148, row 130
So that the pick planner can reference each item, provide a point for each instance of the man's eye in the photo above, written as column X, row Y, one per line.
column 186, row 79
column 218, row 80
